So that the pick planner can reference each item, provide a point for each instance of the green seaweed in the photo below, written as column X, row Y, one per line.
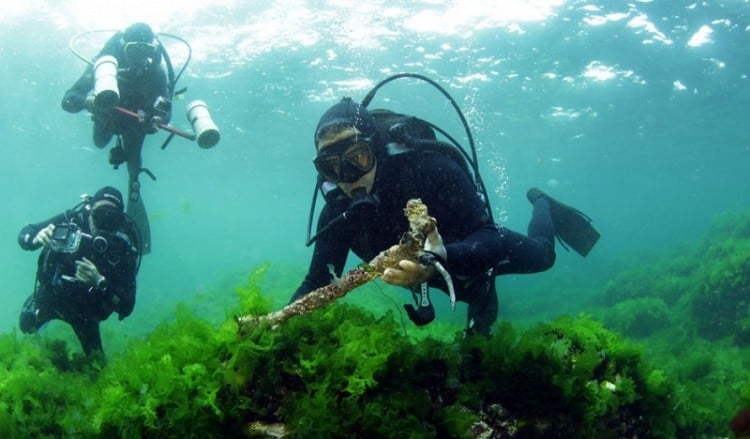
column 344, row 371
column 691, row 311
column 639, row 318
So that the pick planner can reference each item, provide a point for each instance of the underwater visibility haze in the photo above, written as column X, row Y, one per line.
column 634, row 112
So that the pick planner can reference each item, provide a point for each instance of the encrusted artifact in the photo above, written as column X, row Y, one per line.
column 410, row 248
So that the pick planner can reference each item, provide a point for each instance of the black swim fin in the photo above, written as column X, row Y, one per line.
column 572, row 226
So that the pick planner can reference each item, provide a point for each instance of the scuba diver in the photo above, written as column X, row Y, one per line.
column 129, row 94
column 87, row 268
column 370, row 163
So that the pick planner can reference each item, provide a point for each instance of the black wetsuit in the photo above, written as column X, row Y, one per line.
column 477, row 249
column 58, row 295
column 139, row 89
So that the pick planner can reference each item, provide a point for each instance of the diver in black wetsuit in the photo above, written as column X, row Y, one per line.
column 87, row 267
column 368, row 219
column 143, row 91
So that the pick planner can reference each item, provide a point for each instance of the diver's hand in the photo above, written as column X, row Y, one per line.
column 88, row 103
column 96, row 110
column 152, row 125
column 407, row 273
column 44, row 237
column 87, row 272
column 411, row 273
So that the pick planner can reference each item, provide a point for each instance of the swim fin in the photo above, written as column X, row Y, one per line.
column 572, row 226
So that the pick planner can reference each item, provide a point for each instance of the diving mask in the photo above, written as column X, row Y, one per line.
column 137, row 52
column 346, row 161
column 107, row 218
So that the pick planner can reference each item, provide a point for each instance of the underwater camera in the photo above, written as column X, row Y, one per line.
column 206, row 132
column 106, row 92
column 66, row 238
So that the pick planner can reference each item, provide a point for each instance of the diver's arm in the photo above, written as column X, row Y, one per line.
column 75, row 98
column 329, row 256
column 112, row 47
column 30, row 231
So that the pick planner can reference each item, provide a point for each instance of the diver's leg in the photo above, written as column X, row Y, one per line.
column 117, row 154
column 482, row 310
column 36, row 311
column 570, row 225
column 87, row 331
column 541, row 227
column 133, row 144
column 530, row 253
column 103, row 129
column 32, row 317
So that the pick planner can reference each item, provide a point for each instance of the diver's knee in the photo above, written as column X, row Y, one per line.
column 28, row 322
column 548, row 259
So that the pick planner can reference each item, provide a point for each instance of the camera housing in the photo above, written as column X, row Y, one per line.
column 66, row 238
